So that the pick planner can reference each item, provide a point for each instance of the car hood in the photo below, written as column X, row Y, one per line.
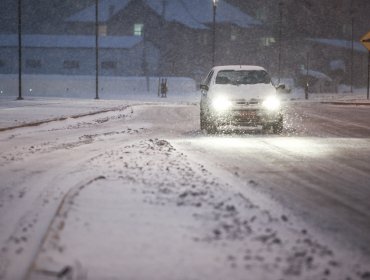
column 255, row 91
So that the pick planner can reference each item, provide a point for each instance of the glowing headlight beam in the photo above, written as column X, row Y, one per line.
column 271, row 103
column 221, row 104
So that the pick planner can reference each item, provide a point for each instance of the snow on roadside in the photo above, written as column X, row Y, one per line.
column 358, row 95
column 44, row 109
column 238, row 236
column 39, row 109
column 38, row 164
column 156, row 214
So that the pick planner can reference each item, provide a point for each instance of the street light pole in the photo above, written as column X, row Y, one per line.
column 280, row 36
column 307, row 85
column 215, row 2
column 145, row 60
column 96, row 49
column 352, row 42
column 20, row 50
column 368, row 75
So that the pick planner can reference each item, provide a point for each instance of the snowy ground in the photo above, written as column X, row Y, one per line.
column 140, row 193
column 34, row 109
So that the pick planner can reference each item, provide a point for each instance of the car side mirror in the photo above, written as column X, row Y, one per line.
column 280, row 87
column 204, row 87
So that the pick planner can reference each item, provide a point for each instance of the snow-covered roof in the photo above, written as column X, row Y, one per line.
column 339, row 43
column 192, row 13
column 107, row 9
column 198, row 13
column 316, row 74
column 69, row 41
column 238, row 67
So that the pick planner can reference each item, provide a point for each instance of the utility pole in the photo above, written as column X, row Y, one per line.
column 145, row 60
column 365, row 40
column 307, row 5
column 215, row 2
column 352, row 42
column 20, row 50
column 307, row 76
column 96, row 49
column 163, row 42
column 368, row 75
column 280, row 37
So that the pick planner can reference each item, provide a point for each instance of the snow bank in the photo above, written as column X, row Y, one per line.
column 359, row 94
column 84, row 86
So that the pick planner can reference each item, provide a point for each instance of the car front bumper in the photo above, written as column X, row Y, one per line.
column 246, row 117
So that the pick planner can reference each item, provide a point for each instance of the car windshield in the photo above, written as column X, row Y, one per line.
column 242, row 77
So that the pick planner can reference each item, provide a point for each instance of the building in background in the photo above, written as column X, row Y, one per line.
column 322, row 30
column 75, row 55
column 174, row 37
column 181, row 30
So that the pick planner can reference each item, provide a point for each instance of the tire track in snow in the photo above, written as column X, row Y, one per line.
column 62, row 118
column 57, row 224
column 254, row 239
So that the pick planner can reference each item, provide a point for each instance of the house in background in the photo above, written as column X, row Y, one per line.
column 139, row 37
column 320, row 30
column 181, row 30
column 337, row 60
column 75, row 55
column 279, row 36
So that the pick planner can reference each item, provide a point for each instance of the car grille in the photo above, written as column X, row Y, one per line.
column 243, row 113
column 244, row 102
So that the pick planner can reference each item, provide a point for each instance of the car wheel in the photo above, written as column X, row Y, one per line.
column 277, row 127
column 211, row 127
column 266, row 128
column 203, row 123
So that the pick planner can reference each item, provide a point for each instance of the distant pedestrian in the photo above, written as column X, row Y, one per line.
column 164, row 87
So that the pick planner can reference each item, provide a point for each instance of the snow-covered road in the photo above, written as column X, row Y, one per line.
column 141, row 193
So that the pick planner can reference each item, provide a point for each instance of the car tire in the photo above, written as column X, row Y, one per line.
column 211, row 129
column 210, row 126
column 266, row 128
column 206, row 123
column 277, row 127
column 203, row 123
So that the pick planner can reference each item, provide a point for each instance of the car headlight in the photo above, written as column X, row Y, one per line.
column 221, row 103
column 271, row 103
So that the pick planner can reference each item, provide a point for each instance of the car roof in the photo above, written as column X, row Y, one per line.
column 238, row 67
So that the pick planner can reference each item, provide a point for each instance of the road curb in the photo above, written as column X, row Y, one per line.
column 63, row 118
column 345, row 103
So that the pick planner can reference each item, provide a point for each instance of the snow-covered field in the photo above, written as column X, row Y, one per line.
column 136, row 192
column 78, row 86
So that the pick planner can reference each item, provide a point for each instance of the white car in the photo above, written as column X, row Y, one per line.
column 239, row 95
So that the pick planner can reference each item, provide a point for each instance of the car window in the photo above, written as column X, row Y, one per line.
column 242, row 77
